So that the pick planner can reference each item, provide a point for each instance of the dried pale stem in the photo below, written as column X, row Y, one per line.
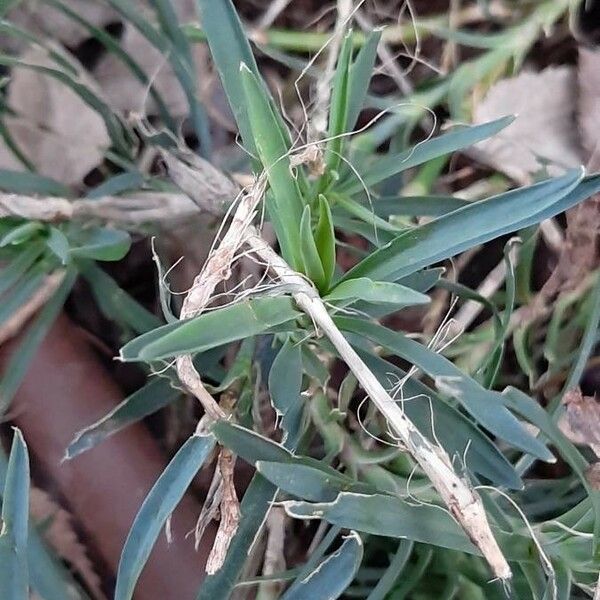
column 230, row 513
column 463, row 502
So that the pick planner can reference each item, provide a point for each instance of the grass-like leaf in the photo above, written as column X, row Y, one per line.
column 390, row 165
column 14, row 572
column 309, row 254
column 285, row 385
column 156, row 394
column 333, row 574
column 158, row 505
column 474, row 224
column 244, row 319
column 377, row 292
column 229, row 48
column 284, row 203
column 361, row 72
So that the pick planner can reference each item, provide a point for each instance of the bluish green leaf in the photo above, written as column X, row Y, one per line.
column 309, row 482
column 156, row 394
column 457, row 139
column 333, row 574
column 306, row 478
column 416, row 206
column 20, row 294
column 59, row 245
column 17, row 182
column 393, row 572
column 229, row 48
column 115, row 303
column 394, row 517
column 14, row 270
column 156, row 508
column 14, row 573
column 284, row 203
column 388, row 516
column 244, row 319
column 474, row 224
column 361, row 72
column 21, row 233
column 117, row 184
column 309, row 254
column 377, row 292
column 47, row 574
column 101, row 243
column 486, row 407
column 285, row 385
column 325, row 239
column 338, row 110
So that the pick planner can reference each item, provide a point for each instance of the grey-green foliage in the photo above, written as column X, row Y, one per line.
column 326, row 467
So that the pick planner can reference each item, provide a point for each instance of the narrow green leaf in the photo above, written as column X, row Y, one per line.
column 308, row 482
column 17, row 182
column 123, row 182
column 14, row 573
column 156, row 508
column 309, row 254
column 58, row 243
column 393, row 572
column 284, row 203
column 229, row 48
column 325, row 239
column 391, row 516
column 47, row 574
column 24, row 260
column 21, row 233
column 377, row 292
column 387, row 166
column 416, row 206
column 361, row 72
column 244, row 319
column 285, row 385
column 306, row 478
column 338, row 111
column 485, row 406
column 474, row 224
column 333, row 574
column 101, row 243
column 156, row 394
column 388, row 516
column 114, row 302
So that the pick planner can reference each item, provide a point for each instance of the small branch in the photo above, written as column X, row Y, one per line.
column 462, row 501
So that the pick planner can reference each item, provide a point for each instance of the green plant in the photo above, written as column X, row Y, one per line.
column 429, row 477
